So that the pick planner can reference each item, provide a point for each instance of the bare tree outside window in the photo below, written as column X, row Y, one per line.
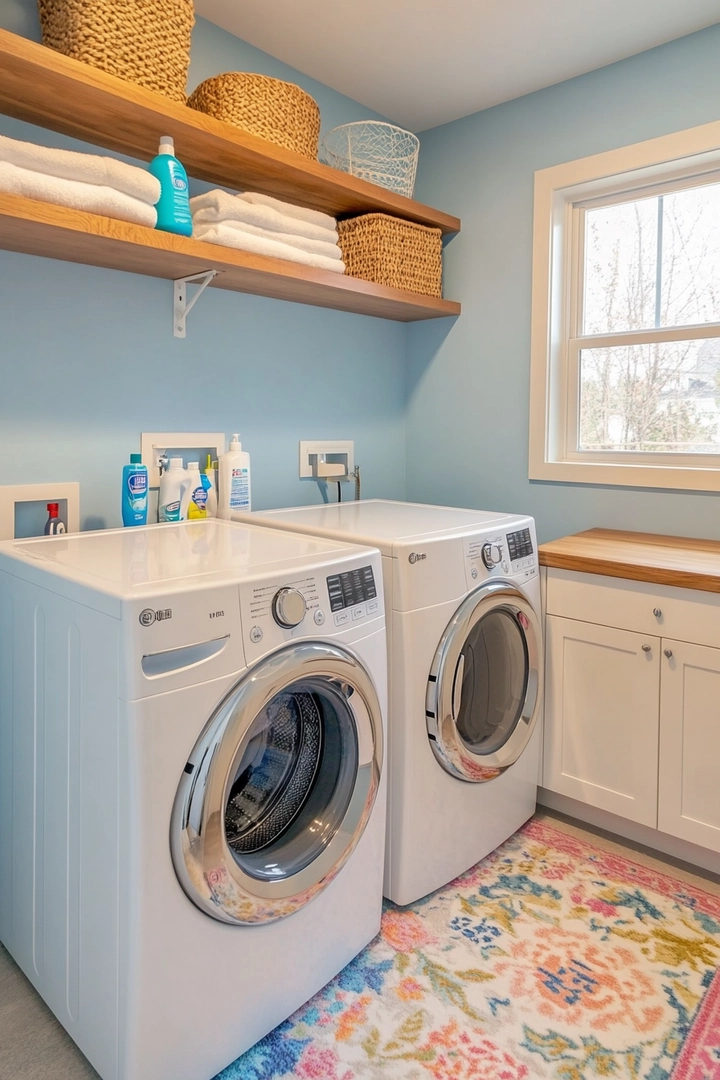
column 650, row 271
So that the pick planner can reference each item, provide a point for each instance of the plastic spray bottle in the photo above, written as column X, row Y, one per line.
column 194, row 504
column 173, row 206
column 209, row 477
column 134, row 492
column 174, row 483
column 233, row 479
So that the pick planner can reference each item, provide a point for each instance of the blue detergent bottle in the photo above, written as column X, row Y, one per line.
column 173, row 207
column 135, row 492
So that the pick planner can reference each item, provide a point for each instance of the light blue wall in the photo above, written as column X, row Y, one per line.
column 89, row 361
column 468, row 386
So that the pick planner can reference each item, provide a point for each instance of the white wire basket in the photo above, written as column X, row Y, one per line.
column 374, row 151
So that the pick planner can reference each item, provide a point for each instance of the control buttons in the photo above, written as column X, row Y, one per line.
column 474, row 573
column 373, row 606
column 358, row 612
column 342, row 618
column 288, row 608
column 256, row 634
column 491, row 554
column 319, row 617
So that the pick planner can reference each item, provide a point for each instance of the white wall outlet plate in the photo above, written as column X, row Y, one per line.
column 337, row 452
column 12, row 494
column 155, row 444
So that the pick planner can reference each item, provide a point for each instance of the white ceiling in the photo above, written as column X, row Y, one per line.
column 425, row 62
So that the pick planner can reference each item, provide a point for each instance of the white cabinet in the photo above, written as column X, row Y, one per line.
column 632, row 714
column 601, row 717
column 689, row 779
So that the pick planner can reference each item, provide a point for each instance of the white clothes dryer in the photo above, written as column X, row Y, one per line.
column 462, row 598
column 192, row 806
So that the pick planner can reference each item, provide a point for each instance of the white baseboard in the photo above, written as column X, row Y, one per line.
column 681, row 850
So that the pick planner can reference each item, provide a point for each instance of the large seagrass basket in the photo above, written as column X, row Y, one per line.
column 146, row 42
column 390, row 251
column 278, row 111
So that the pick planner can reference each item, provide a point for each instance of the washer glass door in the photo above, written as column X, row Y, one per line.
column 280, row 785
column 484, row 687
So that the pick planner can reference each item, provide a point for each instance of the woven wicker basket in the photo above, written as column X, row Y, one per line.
column 142, row 41
column 274, row 110
column 394, row 252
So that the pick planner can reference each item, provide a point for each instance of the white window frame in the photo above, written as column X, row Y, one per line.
column 680, row 158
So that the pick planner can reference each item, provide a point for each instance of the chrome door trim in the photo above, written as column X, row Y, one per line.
column 442, row 702
column 204, row 863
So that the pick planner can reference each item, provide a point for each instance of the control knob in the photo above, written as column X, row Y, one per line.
column 491, row 555
column 288, row 608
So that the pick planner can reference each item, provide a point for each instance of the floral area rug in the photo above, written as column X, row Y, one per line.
column 551, row 959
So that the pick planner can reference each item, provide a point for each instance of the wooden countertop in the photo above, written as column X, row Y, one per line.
column 664, row 560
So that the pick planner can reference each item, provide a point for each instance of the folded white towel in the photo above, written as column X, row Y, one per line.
column 86, row 168
column 218, row 206
column 223, row 234
column 315, row 217
column 94, row 198
column 315, row 247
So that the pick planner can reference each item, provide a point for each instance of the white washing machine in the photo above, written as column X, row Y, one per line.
column 192, row 806
column 462, row 596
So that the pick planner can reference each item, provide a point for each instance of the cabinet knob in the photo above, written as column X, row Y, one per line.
column 657, row 612
column 668, row 653
column 647, row 648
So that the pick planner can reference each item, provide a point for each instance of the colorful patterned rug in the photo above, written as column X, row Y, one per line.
column 551, row 959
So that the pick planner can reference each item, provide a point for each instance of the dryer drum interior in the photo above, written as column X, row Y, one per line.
column 493, row 671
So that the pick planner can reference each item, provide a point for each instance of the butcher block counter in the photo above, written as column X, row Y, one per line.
column 664, row 560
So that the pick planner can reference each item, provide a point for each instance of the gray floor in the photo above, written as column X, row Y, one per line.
column 34, row 1046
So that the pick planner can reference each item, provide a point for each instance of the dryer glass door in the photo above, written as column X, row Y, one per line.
column 280, row 785
column 484, row 687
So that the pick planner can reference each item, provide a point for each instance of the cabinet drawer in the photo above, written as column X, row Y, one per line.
column 684, row 614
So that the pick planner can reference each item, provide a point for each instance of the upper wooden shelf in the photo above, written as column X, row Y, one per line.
column 44, row 87
column 37, row 228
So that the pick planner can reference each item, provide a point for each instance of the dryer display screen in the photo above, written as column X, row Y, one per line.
column 519, row 544
column 350, row 588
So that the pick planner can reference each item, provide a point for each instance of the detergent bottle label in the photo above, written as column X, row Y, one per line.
column 240, row 489
column 169, row 512
column 197, row 508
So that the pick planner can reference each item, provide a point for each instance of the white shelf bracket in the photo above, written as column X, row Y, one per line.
column 181, row 304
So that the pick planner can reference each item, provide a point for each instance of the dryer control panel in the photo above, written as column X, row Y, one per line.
column 501, row 554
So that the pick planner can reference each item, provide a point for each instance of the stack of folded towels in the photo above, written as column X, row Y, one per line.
column 267, row 226
column 99, row 185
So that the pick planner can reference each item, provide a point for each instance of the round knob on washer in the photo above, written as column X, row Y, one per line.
column 288, row 608
column 491, row 555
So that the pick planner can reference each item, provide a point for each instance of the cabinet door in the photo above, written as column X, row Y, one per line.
column 689, row 796
column 601, row 717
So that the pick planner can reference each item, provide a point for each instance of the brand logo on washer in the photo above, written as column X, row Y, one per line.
column 416, row 556
column 147, row 616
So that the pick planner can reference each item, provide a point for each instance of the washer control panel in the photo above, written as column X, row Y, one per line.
column 277, row 611
column 520, row 551
column 500, row 554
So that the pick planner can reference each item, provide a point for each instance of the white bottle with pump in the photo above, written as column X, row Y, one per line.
column 233, row 479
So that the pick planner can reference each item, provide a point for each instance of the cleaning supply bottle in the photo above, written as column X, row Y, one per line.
column 194, row 504
column 233, row 479
column 173, row 206
column 174, row 482
column 135, row 492
column 210, row 476
column 54, row 525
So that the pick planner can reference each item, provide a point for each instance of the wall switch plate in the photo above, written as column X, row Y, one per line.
column 337, row 452
column 155, row 445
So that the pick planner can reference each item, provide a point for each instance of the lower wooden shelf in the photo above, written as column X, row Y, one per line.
column 36, row 228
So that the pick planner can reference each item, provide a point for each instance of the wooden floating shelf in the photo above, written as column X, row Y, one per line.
column 46, row 88
column 37, row 228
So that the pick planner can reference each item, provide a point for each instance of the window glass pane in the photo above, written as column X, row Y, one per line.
column 661, row 397
column 690, row 281
column 620, row 267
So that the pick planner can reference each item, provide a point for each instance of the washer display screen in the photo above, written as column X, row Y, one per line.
column 352, row 587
